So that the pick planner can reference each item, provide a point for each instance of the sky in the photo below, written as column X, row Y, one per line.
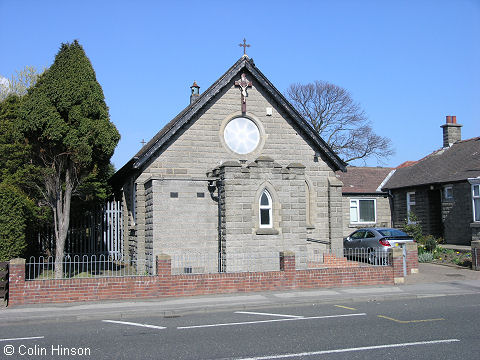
column 407, row 63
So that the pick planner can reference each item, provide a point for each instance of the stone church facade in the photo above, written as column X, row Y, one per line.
column 237, row 173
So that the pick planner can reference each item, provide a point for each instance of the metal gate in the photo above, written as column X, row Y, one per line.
column 99, row 231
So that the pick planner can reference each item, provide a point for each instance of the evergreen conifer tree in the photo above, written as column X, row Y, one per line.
column 66, row 120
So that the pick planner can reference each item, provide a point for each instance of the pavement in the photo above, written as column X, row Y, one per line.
column 431, row 281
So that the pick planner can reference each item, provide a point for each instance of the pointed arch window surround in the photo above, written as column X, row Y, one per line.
column 265, row 210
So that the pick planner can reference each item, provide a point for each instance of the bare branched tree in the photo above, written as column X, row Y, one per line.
column 18, row 84
column 340, row 121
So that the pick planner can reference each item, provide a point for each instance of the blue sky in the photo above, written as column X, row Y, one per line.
column 408, row 63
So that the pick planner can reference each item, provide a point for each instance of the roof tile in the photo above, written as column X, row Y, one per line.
column 363, row 179
column 455, row 163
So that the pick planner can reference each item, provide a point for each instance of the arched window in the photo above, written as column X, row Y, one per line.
column 265, row 210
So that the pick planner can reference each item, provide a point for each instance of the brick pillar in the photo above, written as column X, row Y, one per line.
column 287, row 264
column 397, row 263
column 164, row 272
column 287, row 261
column 476, row 255
column 164, row 265
column 412, row 258
column 16, row 282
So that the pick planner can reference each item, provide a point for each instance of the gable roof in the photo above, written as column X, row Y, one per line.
column 455, row 163
column 406, row 163
column 187, row 114
column 363, row 180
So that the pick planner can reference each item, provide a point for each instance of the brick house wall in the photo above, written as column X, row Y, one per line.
column 449, row 219
column 457, row 215
column 427, row 209
column 383, row 212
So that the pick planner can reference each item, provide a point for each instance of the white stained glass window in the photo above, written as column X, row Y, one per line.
column 476, row 202
column 362, row 211
column 241, row 135
column 265, row 210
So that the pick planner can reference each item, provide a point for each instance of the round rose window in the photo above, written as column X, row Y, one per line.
column 241, row 135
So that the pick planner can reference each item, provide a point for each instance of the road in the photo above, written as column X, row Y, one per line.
column 439, row 327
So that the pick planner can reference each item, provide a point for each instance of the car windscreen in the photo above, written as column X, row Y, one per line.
column 392, row 232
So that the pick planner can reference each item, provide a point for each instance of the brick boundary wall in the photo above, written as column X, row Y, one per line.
column 476, row 255
column 164, row 284
column 412, row 258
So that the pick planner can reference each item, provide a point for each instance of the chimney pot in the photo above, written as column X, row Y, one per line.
column 452, row 132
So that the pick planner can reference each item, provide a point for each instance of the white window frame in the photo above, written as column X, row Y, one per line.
column 268, row 207
column 409, row 204
column 356, row 201
column 473, row 201
column 445, row 192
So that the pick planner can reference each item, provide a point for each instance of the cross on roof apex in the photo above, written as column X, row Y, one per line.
column 244, row 45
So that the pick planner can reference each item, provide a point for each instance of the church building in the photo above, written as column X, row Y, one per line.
column 237, row 174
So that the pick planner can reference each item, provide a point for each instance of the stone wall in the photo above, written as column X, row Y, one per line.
column 475, row 226
column 199, row 147
column 447, row 218
column 428, row 215
column 335, row 213
column 182, row 219
column 242, row 187
column 457, row 215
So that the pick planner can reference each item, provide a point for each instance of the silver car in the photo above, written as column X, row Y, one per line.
column 372, row 244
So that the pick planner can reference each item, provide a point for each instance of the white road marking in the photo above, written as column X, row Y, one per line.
column 134, row 324
column 268, row 314
column 24, row 338
column 268, row 321
column 284, row 356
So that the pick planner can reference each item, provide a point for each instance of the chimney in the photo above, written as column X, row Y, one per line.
column 452, row 132
column 195, row 92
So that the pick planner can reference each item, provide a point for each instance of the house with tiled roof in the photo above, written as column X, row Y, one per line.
column 365, row 204
column 442, row 189
column 238, row 174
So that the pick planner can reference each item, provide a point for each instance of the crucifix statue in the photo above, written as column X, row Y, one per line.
column 143, row 142
column 243, row 83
